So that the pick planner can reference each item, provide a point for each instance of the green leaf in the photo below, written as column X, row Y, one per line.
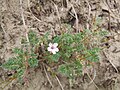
column 94, row 58
column 20, row 72
column 87, row 31
column 45, row 38
column 33, row 54
column 11, row 64
column 55, row 57
column 67, row 39
column 103, row 33
column 78, row 37
column 33, row 38
column 67, row 55
column 46, row 35
column 92, row 51
column 79, row 47
column 92, row 54
column 18, row 51
column 64, row 69
column 78, row 67
column 33, row 62
column 56, row 39
column 77, row 64
column 68, row 27
column 98, row 21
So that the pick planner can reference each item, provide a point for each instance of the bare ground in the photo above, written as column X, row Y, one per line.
column 48, row 15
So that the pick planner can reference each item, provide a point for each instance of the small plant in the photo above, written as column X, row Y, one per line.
column 25, row 57
column 75, row 50
column 69, row 51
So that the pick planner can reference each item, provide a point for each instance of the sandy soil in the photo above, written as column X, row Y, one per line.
column 47, row 15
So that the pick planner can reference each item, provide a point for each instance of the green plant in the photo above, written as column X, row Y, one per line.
column 69, row 51
column 25, row 57
column 76, row 48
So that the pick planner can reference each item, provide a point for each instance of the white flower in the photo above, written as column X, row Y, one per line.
column 53, row 48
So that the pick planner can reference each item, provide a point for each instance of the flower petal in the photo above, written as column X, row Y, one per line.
column 56, row 49
column 55, row 44
column 49, row 49
column 54, row 52
column 50, row 44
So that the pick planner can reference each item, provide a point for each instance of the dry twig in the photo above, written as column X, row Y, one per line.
column 89, row 8
column 23, row 19
column 48, row 76
column 76, row 18
column 57, row 15
column 112, row 13
column 92, row 81
column 59, row 82
column 109, row 59
column 28, row 1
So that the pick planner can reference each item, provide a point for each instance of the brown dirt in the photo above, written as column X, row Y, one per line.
column 48, row 15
